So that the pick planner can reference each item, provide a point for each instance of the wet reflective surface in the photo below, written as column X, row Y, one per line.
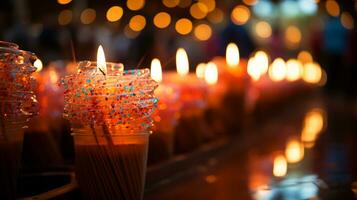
column 305, row 151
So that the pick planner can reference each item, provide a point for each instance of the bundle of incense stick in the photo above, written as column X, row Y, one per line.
column 110, row 115
column 17, row 105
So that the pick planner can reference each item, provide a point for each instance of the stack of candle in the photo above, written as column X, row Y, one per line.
column 110, row 112
column 18, row 104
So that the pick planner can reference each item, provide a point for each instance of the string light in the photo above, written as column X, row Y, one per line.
column 137, row 23
column 183, row 26
column 240, row 15
column 114, row 13
column 135, row 4
column 162, row 20
column 203, row 32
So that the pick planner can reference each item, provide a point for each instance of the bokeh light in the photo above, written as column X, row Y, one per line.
column 200, row 70
column 65, row 17
column 292, row 36
column 182, row 63
column 253, row 69
column 184, row 3
column 210, row 4
column 162, row 20
column 156, row 70
column 304, row 57
column 63, row 2
column 312, row 73
column 313, row 125
column 88, row 16
column 280, row 167
column 232, row 55
column 332, row 8
column 347, row 20
column 216, row 16
column 137, row 23
column 240, row 15
column 250, row 2
column 263, row 29
column 114, row 13
column 183, row 26
column 170, row 3
column 198, row 10
column 294, row 151
column 135, row 4
column 129, row 33
column 277, row 70
column 202, row 32
column 262, row 61
column 211, row 73
column 294, row 70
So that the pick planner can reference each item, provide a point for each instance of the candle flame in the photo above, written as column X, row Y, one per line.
column 253, row 69
column 232, row 55
column 38, row 64
column 294, row 151
column 101, row 63
column 182, row 65
column 156, row 70
column 200, row 70
column 280, row 166
column 211, row 73
column 262, row 61
column 277, row 70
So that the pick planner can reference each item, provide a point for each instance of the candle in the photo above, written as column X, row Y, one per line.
column 110, row 112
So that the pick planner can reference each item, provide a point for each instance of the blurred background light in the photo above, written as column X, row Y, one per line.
column 200, row 70
column 170, row 3
column 277, row 70
column 263, row 29
column 135, row 4
column 210, row 4
column 292, row 36
column 308, row 7
column 114, row 13
column 183, row 26
column 137, row 23
column 240, row 14
column 332, row 8
column 184, row 3
column 280, row 166
column 304, row 57
column 63, row 2
column 290, row 8
column 347, row 20
column 216, row 16
column 65, row 17
column 202, row 32
column 88, row 16
column 162, row 20
column 129, row 33
column 263, row 8
column 250, row 2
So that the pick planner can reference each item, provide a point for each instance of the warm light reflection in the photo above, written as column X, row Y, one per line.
column 262, row 61
column 216, row 16
column 312, row 73
column 156, row 70
column 53, row 76
column 183, row 26
column 253, row 69
column 211, row 73
column 65, row 17
column 200, row 70
column 294, row 70
column 101, row 63
column 263, row 29
column 240, row 15
column 232, row 55
column 135, row 4
column 114, row 13
column 137, row 23
column 313, row 125
column 347, row 20
column 162, row 20
column 277, row 70
column 332, row 8
column 202, row 32
column 280, row 166
column 182, row 64
column 38, row 64
column 88, row 16
column 304, row 57
column 294, row 151
column 198, row 10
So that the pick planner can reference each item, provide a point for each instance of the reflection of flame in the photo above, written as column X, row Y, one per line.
column 101, row 63
column 232, row 55
column 262, row 60
column 38, row 64
column 313, row 125
column 277, row 70
column 211, row 73
column 294, row 70
column 53, row 76
column 200, row 70
column 182, row 65
column 280, row 166
column 312, row 73
column 294, row 151
column 253, row 69
column 156, row 71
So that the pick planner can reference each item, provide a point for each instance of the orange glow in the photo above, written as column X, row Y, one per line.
column 211, row 73
column 347, row 20
column 263, row 29
column 101, row 63
column 312, row 73
column 114, row 13
column 232, row 55
column 332, row 8
column 38, row 64
column 156, row 70
column 292, row 36
column 88, row 16
column 280, row 166
column 65, row 17
column 63, row 2
column 137, row 23
column 183, row 26
column 253, row 69
column 129, row 33
column 313, row 125
column 304, row 57
column 53, row 75
column 250, row 2
column 294, row 151
column 210, row 4
column 135, row 4
column 184, row 3
column 198, row 10
column 162, row 20
column 262, row 61
column 216, row 16
column 240, row 15
column 182, row 64
column 200, row 70
column 277, row 70
column 203, row 32
column 294, row 70
column 170, row 3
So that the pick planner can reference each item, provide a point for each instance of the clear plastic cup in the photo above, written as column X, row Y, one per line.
column 110, row 166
